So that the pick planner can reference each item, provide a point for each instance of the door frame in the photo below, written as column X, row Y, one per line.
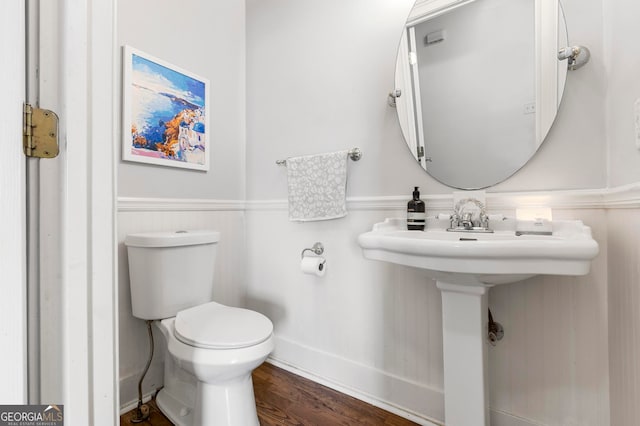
column 88, row 211
column 78, row 263
column 13, row 303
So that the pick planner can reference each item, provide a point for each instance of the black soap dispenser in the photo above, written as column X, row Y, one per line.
column 416, row 216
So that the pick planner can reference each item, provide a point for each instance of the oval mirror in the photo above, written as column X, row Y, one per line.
column 478, row 85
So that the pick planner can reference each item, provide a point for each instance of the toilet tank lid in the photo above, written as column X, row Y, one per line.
column 171, row 239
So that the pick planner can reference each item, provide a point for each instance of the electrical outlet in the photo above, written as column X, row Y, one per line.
column 636, row 116
column 530, row 108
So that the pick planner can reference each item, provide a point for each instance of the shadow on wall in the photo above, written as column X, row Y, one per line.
column 276, row 313
column 411, row 327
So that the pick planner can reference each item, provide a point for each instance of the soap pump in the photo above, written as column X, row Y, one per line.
column 416, row 216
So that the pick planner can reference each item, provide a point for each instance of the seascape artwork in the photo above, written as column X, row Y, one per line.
column 167, row 112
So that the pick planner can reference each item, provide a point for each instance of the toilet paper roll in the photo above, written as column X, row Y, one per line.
column 314, row 265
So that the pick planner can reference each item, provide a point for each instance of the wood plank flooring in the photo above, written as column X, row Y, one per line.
column 283, row 398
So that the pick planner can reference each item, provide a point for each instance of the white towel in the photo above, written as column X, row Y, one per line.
column 317, row 186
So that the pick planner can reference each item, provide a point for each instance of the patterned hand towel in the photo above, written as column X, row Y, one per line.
column 317, row 186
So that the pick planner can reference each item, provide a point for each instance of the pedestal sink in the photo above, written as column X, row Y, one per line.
column 465, row 266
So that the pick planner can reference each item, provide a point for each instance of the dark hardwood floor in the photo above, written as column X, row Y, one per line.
column 284, row 398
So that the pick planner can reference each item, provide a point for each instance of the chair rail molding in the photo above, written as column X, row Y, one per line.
column 132, row 204
column 625, row 196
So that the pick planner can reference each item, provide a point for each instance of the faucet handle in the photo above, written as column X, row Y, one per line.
column 484, row 220
column 454, row 220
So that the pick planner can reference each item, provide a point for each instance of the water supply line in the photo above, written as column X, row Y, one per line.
column 142, row 410
column 495, row 330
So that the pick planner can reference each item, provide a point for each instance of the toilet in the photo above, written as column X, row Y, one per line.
column 211, row 349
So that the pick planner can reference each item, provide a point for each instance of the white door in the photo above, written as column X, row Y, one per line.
column 13, row 355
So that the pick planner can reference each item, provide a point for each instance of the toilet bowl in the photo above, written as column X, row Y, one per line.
column 208, row 382
column 210, row 349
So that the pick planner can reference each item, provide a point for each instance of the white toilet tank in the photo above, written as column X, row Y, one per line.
column 170, row 271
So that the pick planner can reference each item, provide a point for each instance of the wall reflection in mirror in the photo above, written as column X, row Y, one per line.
column 480, row 84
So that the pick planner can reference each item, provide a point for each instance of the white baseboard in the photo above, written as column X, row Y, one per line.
column 133, row 404
column 129, row 386
column 403, row 397
column 397, row 395
column 500, row 418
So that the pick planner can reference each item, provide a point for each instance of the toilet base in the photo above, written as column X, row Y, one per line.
column 174, row 410
column 204, row 387
column 228, row 404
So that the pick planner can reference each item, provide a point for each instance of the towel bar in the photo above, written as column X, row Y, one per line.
column 355, row 154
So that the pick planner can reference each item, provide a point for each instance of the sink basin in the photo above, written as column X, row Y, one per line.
column 483, row 258
column 465, row 265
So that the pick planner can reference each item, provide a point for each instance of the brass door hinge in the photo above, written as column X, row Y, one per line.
column 40, row 132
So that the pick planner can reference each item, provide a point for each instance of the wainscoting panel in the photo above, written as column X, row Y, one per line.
column 374, row 330
column 364, row 382
column 550, row 369
column 551, row 366
column 382, row 317
column 624, row 315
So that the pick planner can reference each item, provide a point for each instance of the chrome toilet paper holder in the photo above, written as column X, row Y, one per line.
column 317, row 249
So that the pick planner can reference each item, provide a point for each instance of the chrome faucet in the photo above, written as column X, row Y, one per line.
column 469, row 216
column 466, row 221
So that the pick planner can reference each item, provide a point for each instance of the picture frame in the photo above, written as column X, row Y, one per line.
column 165, row 113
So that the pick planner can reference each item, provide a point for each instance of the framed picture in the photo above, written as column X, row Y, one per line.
column 165, row 119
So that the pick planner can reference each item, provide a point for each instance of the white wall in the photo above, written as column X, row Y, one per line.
column 318, row 73
column 623, row 63
column 207, row 38
column 317, row 76
column 573, row 154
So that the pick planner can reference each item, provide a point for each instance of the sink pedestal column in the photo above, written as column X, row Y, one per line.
column 464, row 319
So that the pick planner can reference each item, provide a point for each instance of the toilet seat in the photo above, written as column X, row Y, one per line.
column 216, row 326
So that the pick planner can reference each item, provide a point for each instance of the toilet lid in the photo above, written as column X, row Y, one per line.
column 215, row 326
